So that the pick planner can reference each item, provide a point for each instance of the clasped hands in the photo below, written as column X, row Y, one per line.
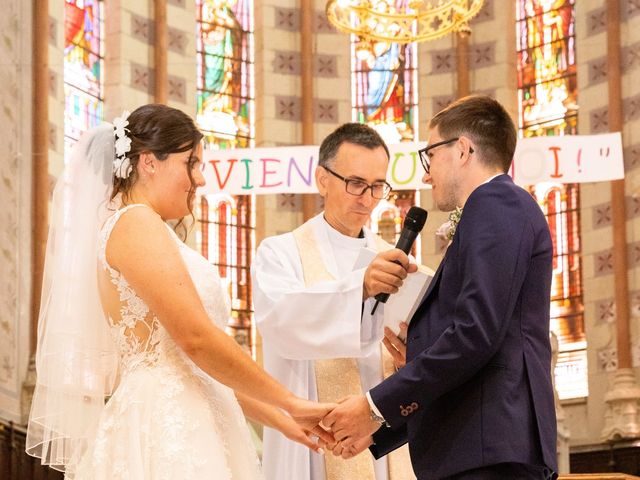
column 344, row 428
column 351, row 425
column 347, row 427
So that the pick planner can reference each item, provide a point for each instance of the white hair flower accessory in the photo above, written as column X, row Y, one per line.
column 121, row 163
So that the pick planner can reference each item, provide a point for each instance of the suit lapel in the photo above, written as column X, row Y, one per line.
column 434, row 281
column 436, row 278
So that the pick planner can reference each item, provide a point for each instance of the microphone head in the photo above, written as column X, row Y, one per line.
column 415, row 219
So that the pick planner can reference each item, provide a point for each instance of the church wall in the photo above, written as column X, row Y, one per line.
column 277, row 102
column 129, row 73
column 15, row 198
column 630, row 33
column 181, row 59
column 129, row 56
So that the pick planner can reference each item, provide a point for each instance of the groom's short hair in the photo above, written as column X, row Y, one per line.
column 356, row 133
column 486, row 122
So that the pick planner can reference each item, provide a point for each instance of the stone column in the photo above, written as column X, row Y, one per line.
column 622, row 414
column 40, row 157
column 462, row 65
column 39, row 185
column 160, row 51
column 16, row 78
column 306, row 76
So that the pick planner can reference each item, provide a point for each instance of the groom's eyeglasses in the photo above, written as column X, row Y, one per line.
column 424, row 153
column 357, row 187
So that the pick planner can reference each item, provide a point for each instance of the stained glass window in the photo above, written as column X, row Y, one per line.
column 83, row 67
column 548, row 92
column 225, row 115
column 384, row 96
column 547, row 83
column 226, row 238
column 225, row 71
column 383, row 78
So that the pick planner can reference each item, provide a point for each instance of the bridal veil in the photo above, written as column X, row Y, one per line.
column 76, row 359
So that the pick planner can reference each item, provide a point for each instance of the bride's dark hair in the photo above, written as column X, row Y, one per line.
column 161, row 130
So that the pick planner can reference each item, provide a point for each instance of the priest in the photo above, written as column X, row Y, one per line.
column 313, row 303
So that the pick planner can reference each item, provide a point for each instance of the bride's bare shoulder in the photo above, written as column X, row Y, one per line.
column 139, row 231
column 138, row 220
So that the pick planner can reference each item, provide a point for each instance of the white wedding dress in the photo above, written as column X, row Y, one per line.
column 167, row 419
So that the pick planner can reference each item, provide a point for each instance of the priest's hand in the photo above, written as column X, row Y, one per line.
column 396, row 345
column 351, row 421
column 386, row 272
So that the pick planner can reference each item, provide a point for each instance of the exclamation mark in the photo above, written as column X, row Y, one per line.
column 579, row 159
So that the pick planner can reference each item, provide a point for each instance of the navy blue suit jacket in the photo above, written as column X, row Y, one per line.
column 476, row 389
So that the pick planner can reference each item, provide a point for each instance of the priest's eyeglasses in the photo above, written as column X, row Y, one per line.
column 357, row 187
column 424, row 153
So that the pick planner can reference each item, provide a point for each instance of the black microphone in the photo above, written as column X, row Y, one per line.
column 413, row 224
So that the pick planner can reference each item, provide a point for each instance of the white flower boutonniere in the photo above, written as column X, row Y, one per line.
column 448, row 229
column 121, row 164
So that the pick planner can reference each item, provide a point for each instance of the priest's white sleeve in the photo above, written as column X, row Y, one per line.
column 326, row 320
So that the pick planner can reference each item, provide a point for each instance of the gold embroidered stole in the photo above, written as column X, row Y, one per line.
column 339, row 377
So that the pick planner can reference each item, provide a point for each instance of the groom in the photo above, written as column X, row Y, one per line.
column 474, row 399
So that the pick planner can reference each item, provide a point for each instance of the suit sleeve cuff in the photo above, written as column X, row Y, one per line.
column 373, row 407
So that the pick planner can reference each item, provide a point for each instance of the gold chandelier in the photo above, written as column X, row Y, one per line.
column 419, row 20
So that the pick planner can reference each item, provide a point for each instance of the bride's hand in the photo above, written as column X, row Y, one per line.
column 308, row 414
column 315, row 438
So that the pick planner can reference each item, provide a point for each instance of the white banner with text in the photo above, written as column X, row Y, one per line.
column 562, row 159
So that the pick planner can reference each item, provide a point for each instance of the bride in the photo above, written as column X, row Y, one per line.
column 136, row 376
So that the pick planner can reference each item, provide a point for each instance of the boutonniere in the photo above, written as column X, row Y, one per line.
column 448, row 229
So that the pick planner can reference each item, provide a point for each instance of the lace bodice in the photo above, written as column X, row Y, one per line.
column 137, row 332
